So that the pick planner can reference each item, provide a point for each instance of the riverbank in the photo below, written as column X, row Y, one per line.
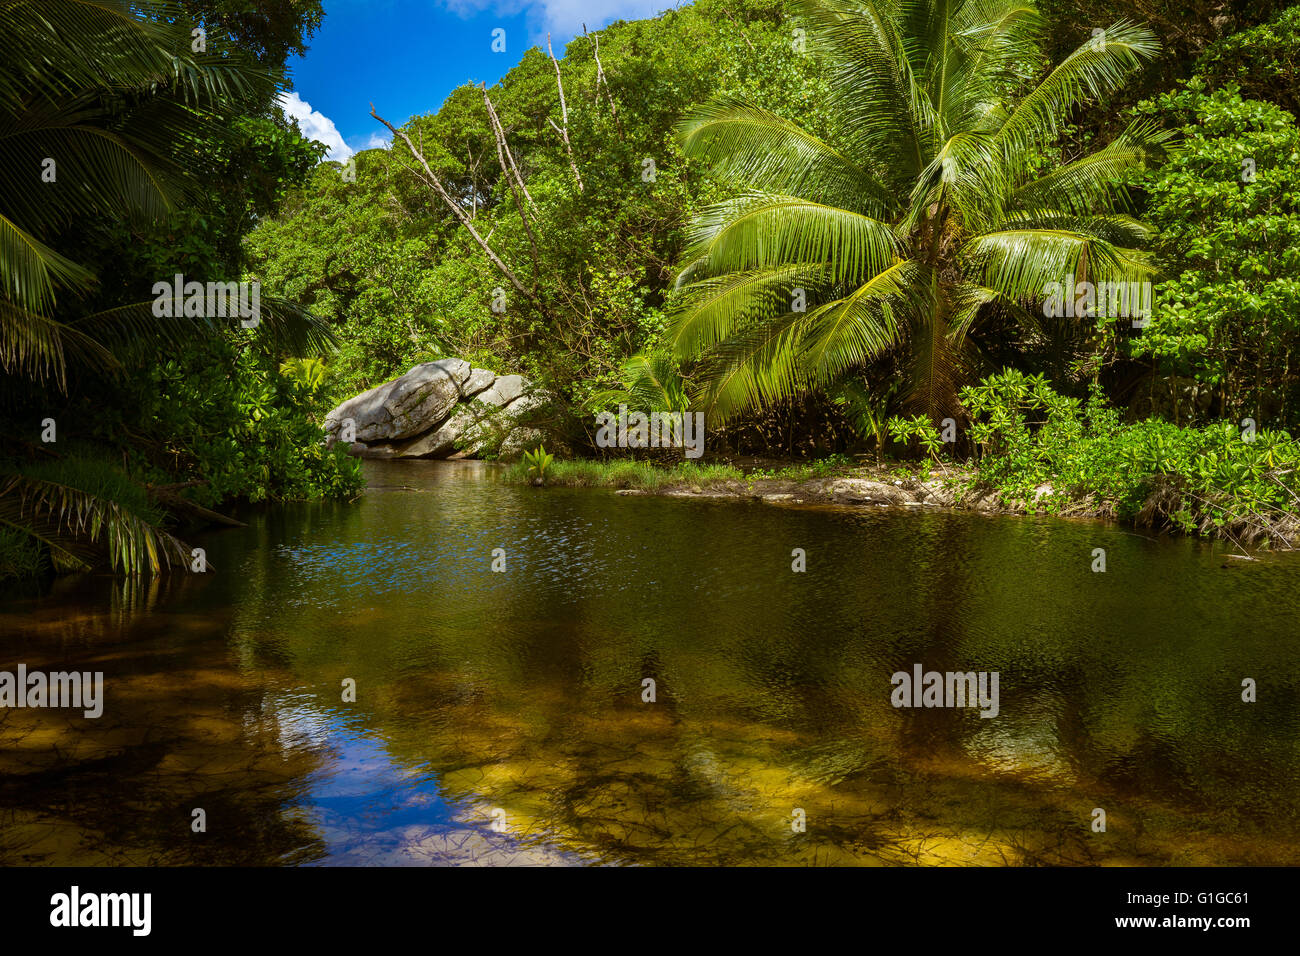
column 901, row 484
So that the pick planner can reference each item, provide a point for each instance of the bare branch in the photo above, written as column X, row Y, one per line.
column 433, row 182
column 564, row 115
column 516, row 182
column 503, row 149
column 602, row 80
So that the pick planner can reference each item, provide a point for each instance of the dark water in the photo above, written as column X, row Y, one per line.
column 499, row 716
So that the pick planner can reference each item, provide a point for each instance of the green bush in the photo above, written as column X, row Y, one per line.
column 1215, row 478
column 1263, row 61
column 1227, row 206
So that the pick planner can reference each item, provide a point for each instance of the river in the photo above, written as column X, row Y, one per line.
column 500, row 716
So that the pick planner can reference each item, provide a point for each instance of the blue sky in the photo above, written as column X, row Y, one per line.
column 406, row 56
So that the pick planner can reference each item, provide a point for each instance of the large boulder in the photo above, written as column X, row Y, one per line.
column 504, row 390
column 446, row 439
column 442, row 409
column 407, row 406
column 479, row 379
column 520, row 440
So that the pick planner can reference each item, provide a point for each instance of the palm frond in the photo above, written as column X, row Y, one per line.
column 37, row 347
column 770, row 154
column 1096, row 180
column 715, row 309
column 1095, row 69
column 861, row 326
column 651, row 382
column 754, row 369
column 82, row 525
column 759, row 230
column 1022, row 263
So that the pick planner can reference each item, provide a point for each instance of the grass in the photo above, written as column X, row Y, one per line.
column 649, row 476
column 642, row 475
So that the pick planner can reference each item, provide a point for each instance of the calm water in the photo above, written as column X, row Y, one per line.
column 499, row 716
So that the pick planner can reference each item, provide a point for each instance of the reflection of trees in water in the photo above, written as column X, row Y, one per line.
column 681, row 783
column 180, row 730
column 522, row 691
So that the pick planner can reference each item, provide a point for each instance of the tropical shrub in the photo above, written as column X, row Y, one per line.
column 1219, row 478
column 1227, row 207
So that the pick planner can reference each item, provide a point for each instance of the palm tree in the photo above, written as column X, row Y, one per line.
column 650, row 381
column 106, row 112
column 929, row 211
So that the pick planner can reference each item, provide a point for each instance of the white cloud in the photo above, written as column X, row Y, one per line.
column 562, row 18
column 379, row 141
column 316, row 125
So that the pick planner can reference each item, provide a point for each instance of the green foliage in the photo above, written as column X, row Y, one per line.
column 804, row 471
column 651, row 382
column 163, row 160
column 628, row 473
column 536, row 462
column 114, row 96
column 903, row 430
column 402, row 281
column 247, row 435
column 271, row 30
column 1227, row 206
column 866, row 410
column 1186, row 29
column 81, row 510
column 21, row 555
column 1263, row 62
column 928, row 220
column 307, row 373
column 1212, row 479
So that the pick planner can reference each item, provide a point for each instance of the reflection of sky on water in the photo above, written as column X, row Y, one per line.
column 370, row 811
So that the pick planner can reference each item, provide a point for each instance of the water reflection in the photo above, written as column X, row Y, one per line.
column 520, row 692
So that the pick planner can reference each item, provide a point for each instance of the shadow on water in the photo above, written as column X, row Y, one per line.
column 499, row 716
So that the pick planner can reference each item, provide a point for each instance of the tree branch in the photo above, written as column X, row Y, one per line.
column 564, row 115
column 432, row 180
column 602, row 80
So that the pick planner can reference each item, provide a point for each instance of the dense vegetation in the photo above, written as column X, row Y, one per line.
column 1104, row 141
column 133, row 152
column 634, row 221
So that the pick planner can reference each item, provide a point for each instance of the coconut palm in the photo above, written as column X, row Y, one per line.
column 929, row 211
